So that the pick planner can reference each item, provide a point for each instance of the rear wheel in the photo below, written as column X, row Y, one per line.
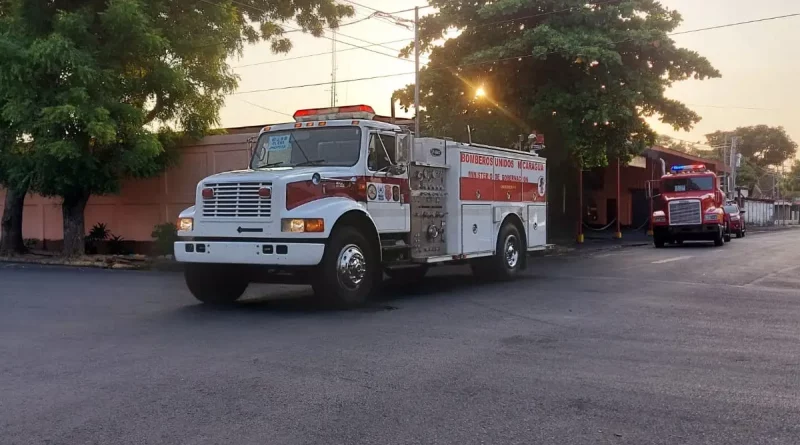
column 215, row 284
column 347, row 273
column 507, row 260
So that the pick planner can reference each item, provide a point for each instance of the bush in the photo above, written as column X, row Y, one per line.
column 115, row 246
column 165, row 236
column 97, row 234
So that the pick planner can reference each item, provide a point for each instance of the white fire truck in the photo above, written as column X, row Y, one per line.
column 337, row 198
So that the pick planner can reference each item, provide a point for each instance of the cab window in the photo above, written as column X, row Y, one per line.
column 377, row 159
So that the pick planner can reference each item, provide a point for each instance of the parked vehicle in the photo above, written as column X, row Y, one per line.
column 336, row 198
column 690, row 202
column 734, row 220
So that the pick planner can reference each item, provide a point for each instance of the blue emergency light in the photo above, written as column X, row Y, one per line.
column 687, row 168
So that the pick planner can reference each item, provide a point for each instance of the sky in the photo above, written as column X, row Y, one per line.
column 759, row 65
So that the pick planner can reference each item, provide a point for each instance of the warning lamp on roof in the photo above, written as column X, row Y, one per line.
column 328, row 114
column 688, row 168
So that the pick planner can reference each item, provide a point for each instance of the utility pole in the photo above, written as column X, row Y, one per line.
column 733, row 159
column 416, row 72
column 334, row 67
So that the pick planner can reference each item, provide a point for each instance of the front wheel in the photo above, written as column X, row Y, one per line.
column 727, row 236
column 719, row 239
column 659, row 241
column 347, row 274
column 215, row 284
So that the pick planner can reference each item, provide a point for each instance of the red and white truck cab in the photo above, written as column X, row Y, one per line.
column 335, row 199
column 689, row 207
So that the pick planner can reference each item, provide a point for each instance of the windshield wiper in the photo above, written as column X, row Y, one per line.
column 291, row 134
column 310, row 162
column 274, row 164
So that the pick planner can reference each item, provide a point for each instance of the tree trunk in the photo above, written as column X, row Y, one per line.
column 11, row 241
column 74, row 228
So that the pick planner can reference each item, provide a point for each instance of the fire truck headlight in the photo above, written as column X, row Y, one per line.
column 313, row 225
column 186, row 224
column 659, row 217
column 712, row 217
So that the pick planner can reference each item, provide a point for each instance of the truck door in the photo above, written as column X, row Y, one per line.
column 385, row 187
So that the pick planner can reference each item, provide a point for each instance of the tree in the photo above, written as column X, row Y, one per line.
column 14, row 177
column 679, row 145
column 761, row 145
column 88, row 80
column 587, row 74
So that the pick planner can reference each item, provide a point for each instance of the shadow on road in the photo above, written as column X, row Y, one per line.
column 301, row 300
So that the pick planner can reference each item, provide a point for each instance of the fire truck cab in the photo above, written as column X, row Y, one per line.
column 689, row 207
column 335, row 199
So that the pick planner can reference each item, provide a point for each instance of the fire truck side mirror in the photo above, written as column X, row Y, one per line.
column 402, row 149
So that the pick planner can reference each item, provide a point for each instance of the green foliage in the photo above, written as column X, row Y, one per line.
column 116, row 246
column 165, row 235
column 761, row 145
column 87, row 81
column 99, row 232
column 587, row 75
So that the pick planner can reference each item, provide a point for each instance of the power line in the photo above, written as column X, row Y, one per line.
column 263, row 107
column 315, row 54
column 520, row 57
column 766, row 19
column 291, row 28
column 735, row 108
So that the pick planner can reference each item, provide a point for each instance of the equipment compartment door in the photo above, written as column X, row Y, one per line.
column 537, row 226
column 477, row 228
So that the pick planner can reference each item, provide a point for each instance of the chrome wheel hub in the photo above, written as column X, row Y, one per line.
column 351, row 267
column 511, row 251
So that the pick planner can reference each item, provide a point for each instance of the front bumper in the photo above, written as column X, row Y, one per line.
column 689, row 232
column 247, row 252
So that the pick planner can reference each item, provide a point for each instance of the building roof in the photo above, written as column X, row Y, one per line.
column 718, row 166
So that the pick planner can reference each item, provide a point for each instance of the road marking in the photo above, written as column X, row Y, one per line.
column 669, row 260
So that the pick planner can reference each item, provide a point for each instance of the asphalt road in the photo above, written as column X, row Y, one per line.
column 687, row 345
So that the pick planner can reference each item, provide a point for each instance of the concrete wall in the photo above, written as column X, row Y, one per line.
column 143, row 204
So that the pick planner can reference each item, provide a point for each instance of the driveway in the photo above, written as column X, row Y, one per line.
column 689, row 345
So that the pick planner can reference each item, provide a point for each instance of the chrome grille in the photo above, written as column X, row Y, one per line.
column 685, row 212
column 237, row 200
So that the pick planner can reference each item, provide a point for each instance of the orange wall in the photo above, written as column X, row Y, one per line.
column 143, row 204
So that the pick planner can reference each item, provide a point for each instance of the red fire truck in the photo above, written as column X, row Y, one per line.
column 689, row 207
column 336, row 198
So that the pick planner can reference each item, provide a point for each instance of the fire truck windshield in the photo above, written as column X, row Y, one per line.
column 331, row 146
column 688, row 184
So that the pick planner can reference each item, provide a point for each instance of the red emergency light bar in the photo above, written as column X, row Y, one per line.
column 333, row 113
column 688, row 168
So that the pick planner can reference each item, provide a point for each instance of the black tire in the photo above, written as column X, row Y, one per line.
column 507, row 260
column 408, row 275
column 215, row 284
column 727, row 237
column 744, row 233
column 719, row 239
column 352, row 287
column 659, row 241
